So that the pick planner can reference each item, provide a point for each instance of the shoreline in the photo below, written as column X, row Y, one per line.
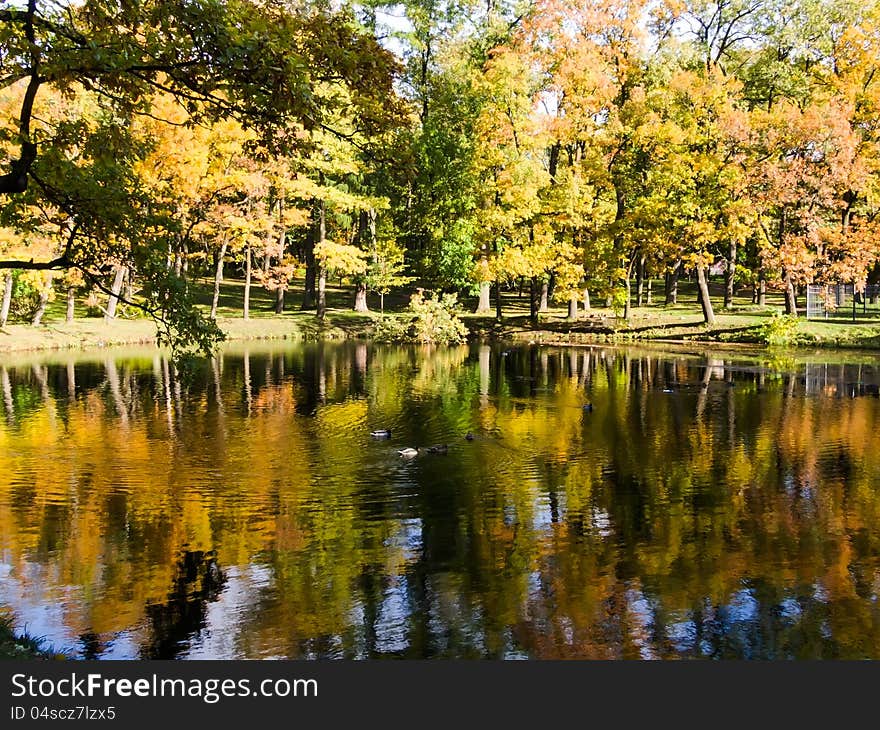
column 93, row 334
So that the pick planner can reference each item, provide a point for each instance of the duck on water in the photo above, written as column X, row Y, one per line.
column 410, row 452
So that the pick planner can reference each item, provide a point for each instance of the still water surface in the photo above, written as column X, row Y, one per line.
column 709, row 505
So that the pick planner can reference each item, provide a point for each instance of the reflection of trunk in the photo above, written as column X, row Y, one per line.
column 115, row 390
column 322, row 375
column 360, row 297
column 7, row 299
column 545, row 290
column 71, row 304
column 41, row 307
column 484, row 371
column 790, row 296
column 705, row 301
column 71, row 380
column 114, row 294
column 573, row 307
column 218, row 391
column 218, row 277
column 704, row 386
column 360, row 359
column 729, row 275
column 248, row 397
column 484, row 307
column 8, row 403
column 247, row 282
column 166, row 380
column 321, row 269
column 41, row 375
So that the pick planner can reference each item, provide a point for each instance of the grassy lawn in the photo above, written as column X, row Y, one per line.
column 679, row 322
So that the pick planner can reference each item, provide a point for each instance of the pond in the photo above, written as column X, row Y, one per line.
column 705, row 504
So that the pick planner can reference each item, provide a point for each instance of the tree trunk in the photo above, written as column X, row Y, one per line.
column 309, row 294
column 545, row 292
column 586, row 299
column 705, row 301
column 360, row 297
column 533, row 300
column 790, row 296
column 7, row 299
column 573, row 307
column 218, row 277
column 322, row 271
column 729, row 275
column 762, row 292
column 498, row 313
column 484, row 307
column 247, row 282
column 114, row 294
column 41, row 308
column 279, row 300
column 649, row 299
column 640, row 281
column 129, row 285
column 671, row 294
column 626, row 306
column 71, row 303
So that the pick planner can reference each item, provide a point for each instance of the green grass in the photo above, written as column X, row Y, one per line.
column 21, row 645
column 682, row 322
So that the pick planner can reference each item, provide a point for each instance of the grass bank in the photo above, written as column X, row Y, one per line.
column 741, row 324
column 21, row 645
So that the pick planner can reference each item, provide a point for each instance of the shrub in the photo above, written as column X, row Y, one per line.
column 26, row 290
column 388, row 328
column 430, row 319
column 435, row 319
column 780, row 329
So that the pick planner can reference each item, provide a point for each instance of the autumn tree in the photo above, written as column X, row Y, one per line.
column 241, row 61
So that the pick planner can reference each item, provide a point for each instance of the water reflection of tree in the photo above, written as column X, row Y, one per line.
column 703, row 507
column 175, row 622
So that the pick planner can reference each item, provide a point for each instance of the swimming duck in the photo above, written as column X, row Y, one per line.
column 382, row 433
column 408, row 452
column 438, row 449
